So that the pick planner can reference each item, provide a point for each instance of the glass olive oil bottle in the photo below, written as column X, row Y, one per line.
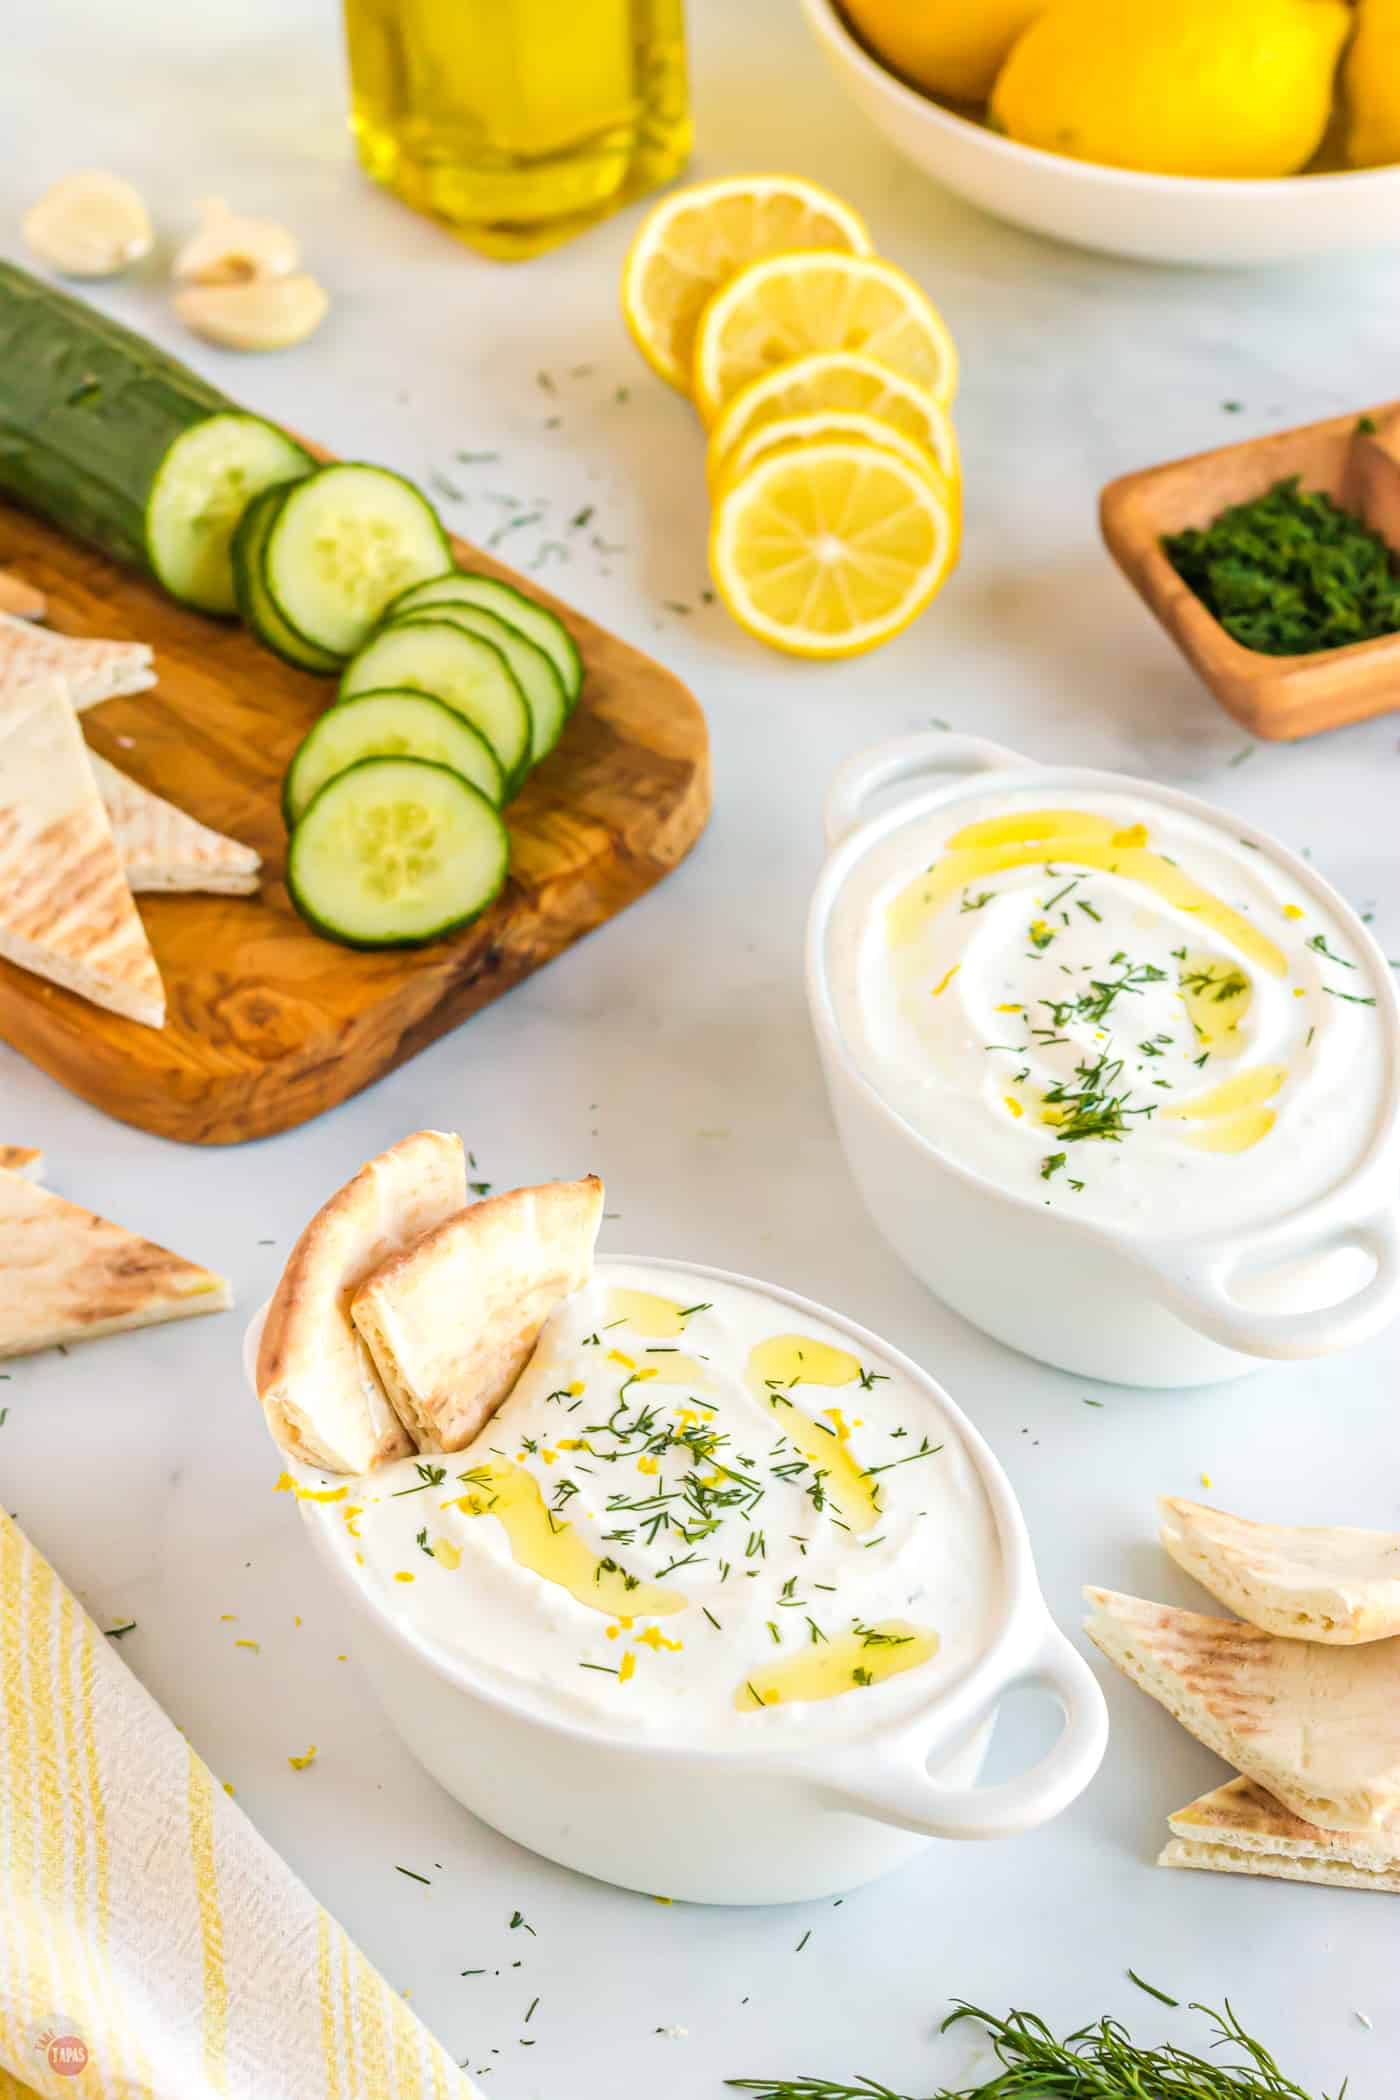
column 519, row 122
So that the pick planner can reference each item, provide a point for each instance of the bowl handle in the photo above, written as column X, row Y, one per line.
column 906, row 1794
column 1195, row 1280
column 929, row 751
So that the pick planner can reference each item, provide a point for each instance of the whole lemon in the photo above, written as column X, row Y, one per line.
column 1372, row 78
column 946, row 47
column 1176, row 87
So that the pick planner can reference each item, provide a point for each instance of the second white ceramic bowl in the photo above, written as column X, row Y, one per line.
column 1155, row 218
column 1127, row 1307
column 745, row 1825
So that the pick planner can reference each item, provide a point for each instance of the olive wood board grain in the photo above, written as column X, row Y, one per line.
column 1355, row 458
column 267, row 1023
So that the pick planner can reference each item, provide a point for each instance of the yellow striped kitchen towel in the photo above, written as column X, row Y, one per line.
column 152, row 1946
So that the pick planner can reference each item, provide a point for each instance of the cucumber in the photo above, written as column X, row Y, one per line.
column 394, row 852
column 124, row 447
column 347, row 540
column 536, row 622
column 257, row 609
column 534, row 671
column 470, row 674
column 200, row 492
column 398, row 724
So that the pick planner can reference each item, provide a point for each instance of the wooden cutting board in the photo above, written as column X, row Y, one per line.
column 268, row 1024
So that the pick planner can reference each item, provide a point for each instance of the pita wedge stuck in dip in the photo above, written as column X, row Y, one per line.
column 452, row 1322
column 319, row 1389
column 406, row 1314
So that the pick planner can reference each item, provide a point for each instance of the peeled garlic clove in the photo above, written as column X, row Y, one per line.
column 230, row 248
column 263, row 313
column 89, row 225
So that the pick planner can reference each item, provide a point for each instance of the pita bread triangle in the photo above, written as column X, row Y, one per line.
column 453, row 1320
column 317, row 1383
column 163, row 849
column 1239, row 1829
column 92, row 671
column 22, row 1159
column 67, row 1275
column 1304, row 1583
column 65, row 908
column 1317, row 1727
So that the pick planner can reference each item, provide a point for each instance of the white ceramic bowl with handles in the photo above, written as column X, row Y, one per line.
column 1155, row 218
column 1099, row 1300
column 771, row 1825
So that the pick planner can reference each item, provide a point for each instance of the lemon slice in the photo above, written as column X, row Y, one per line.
column 785, row 305
column 828, row 549
column 695, row 239
column 784, row 433
column 840, row 381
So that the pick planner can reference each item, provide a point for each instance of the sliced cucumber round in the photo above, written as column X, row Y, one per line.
column 534, row 671
column 400, row 724
column 394, row 852
column 258, row 611
column 536, row 622
column 470, row 674
column 205, row 483
column 347, row 540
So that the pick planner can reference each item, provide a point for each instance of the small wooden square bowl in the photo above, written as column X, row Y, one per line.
column 1274, row 696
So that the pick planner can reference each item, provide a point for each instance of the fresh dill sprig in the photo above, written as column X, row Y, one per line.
column 1099, row 2062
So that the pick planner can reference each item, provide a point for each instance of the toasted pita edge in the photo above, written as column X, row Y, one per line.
column 163, row 848
column 95, row 670
column 22, row 1159
column 1223, row 1553
column 1118, row 1625
column 452, row 1322
column 319, row 1390
column 54, row 1307
column 1240, row 1829
column 41, row 712
column 21, row 600
column 1246, row 1816
column 1225, row 1859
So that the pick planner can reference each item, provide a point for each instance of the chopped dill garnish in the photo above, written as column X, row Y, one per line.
column 428, row 1477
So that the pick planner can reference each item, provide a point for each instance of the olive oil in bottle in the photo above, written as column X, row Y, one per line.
column 518, row 122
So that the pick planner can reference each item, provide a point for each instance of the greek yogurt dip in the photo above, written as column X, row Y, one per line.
column 699, row 1516
column 1102, row 1002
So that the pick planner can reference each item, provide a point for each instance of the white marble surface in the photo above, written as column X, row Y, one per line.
column 672, row 1053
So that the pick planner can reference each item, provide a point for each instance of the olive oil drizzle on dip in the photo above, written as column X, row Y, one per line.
column 1109, row 1005
column 697, row 1554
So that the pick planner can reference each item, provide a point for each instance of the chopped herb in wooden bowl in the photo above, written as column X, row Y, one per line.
column 1291, row 572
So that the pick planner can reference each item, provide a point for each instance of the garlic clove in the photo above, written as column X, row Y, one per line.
column 262, row 313
column 229, row 247
column 90, row 224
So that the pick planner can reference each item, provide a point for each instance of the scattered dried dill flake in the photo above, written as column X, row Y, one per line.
column 1291, row 572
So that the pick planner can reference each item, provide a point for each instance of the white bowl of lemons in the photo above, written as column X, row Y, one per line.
column 1273, row 116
